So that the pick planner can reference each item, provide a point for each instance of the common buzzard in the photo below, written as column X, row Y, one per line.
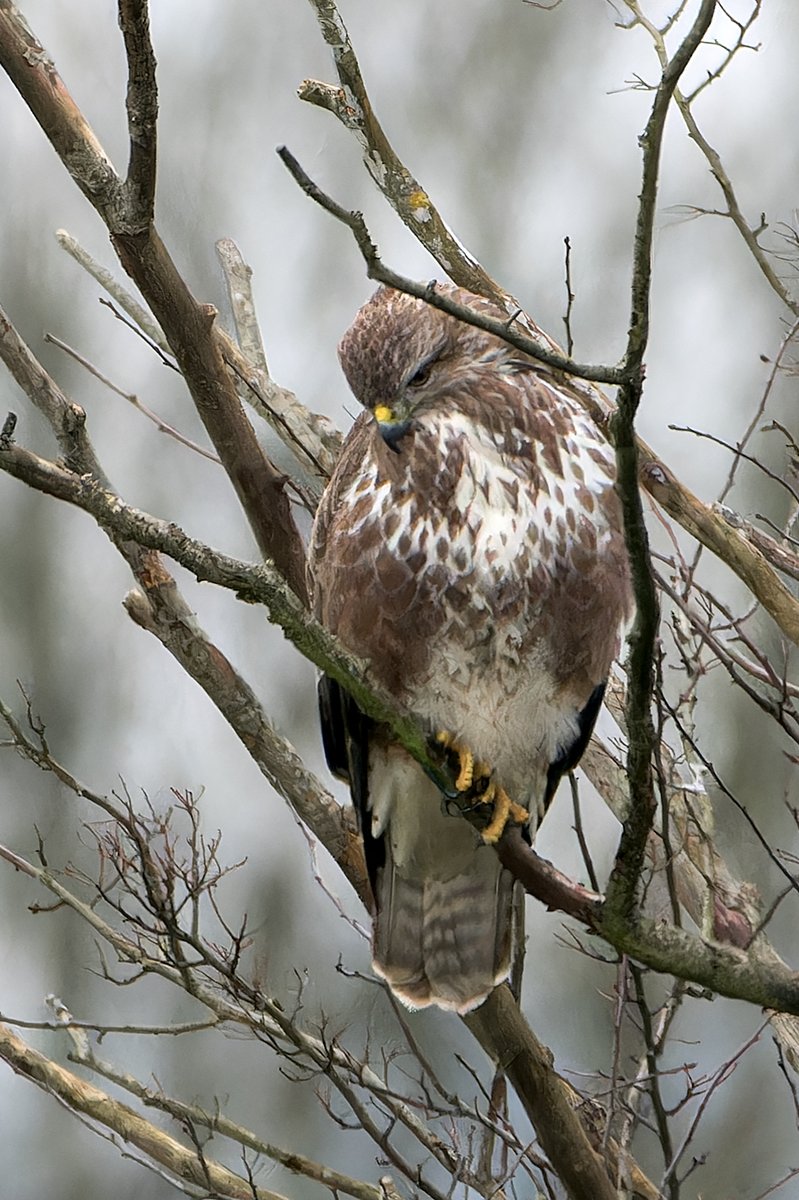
column 468, row 545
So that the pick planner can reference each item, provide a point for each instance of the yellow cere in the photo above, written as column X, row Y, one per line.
column 383, row 414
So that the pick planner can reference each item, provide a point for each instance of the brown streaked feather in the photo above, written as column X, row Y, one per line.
column 479, row 564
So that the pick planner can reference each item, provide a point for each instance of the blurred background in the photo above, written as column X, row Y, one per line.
column 522, row 126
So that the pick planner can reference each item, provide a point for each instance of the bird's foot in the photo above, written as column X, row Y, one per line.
column 462, row 756
column 473, row 780
column 505, row 810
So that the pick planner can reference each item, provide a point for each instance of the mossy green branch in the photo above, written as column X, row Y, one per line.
column 251, row 582
column 723, row 969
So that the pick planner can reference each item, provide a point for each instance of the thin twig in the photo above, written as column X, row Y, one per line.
column 376, row 269
column 161, row 425
column 720, row 1076
column 580, row 832
column 117, row 291
column 739, row 454
column 567, row 318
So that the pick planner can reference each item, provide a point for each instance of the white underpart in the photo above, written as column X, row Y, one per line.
column 495, row 524
column 512, row 717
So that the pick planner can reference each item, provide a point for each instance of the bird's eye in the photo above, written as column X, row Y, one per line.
column 420, row 377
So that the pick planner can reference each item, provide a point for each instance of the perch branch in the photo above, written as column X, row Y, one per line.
column 160, row 608
column 255, row 584
column 722, row 969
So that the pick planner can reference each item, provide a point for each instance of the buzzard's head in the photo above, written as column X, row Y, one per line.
column 401, row 357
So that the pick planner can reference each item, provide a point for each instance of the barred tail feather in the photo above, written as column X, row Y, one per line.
column 444, row 942
column 442, row 931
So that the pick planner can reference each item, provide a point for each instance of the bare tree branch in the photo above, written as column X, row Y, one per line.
column 536, row 347
column 162, row 928
column 160, row 609
column 697, row 518
column 549, row 1102
column 82, row 1097
column 217, row 1122
column 116, row 290
column 749, row 234
column 666, row 949
column 142, row 108
column 186, row 324
column 624, row 884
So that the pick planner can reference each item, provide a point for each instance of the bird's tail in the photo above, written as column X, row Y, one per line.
column 445, row 942
column 442, row 931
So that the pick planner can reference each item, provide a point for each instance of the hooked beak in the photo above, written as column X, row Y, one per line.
column 391, row 430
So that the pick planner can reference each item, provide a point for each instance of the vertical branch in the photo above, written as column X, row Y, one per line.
column 142, row 106
column 640, row 664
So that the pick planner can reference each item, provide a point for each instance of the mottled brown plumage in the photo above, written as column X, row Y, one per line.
column 469, row 545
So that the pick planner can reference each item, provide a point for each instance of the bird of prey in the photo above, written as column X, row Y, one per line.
column 469, row 545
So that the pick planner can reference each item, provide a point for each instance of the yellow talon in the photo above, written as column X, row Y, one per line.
column 472, row 773
column 465, row 759
column 505, row 810
column 518, row 813
column 466, row 773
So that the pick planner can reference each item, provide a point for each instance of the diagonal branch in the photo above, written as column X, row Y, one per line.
column 698, row 518
column 377, row 270
column 350, row 103
column 723, row 969
column 188, row 325
column 311, row 437
column 217, row 1122
column 502, row 1031
column 160, row 609
column 255, row 584
column 729, row 543
column 685, row 105
column 81, row 1097
column 162, row 612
